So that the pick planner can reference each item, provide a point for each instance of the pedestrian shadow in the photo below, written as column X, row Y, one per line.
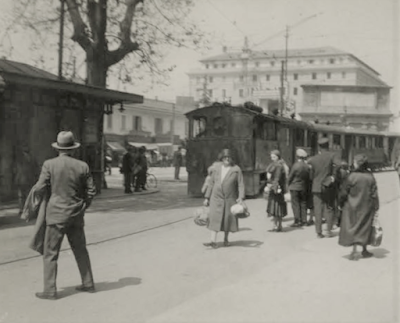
column 246, row 243
column 12, row 220
column 103, row 286
column 379, row 253
column 245, row 229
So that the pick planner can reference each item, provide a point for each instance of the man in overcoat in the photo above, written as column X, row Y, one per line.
column 178, row 161
column 126, row 170
column 323, row 178
column 71, row 193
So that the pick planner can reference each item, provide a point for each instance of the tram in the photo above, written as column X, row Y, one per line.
column 251, row 135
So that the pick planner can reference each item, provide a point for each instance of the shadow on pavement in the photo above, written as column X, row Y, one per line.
column 246, row 243
column 103, row 286
column 245, row 229
column 378, row 253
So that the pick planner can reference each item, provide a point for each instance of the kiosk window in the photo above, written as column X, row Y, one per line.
column 219, row 126
column 269, row 130
column 379, row 142
column 362, row 143
column 336, row 142
column 199, row 127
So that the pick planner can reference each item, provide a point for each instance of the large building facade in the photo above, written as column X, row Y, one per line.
column 258, row 76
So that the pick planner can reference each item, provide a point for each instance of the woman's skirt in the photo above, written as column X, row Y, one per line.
column 276, row 206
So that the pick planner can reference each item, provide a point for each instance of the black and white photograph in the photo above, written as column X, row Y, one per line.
column 199, row 161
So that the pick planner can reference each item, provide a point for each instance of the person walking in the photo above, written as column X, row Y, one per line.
column 226, row 188
column 298, row 181
column 26, row 173
column 360, row 203
column 276, row 187
column 72, row 190
column 323, row 178
column 141, row 176
column 178, row 160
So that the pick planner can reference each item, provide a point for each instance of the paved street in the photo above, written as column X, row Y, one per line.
column 150, row 266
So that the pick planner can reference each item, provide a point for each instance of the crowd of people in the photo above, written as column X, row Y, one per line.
column 321, row 188
column 134, row 168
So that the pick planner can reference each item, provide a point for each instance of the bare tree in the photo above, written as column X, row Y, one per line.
column 109, row 31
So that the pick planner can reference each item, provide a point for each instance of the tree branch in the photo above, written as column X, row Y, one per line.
column 126, row 46
column 80, row 28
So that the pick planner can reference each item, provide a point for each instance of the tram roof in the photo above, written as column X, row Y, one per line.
column 24, row 74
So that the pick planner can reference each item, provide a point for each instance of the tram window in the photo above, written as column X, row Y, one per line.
column 336, row 142
column 270, row 130
column 367, row 142
column 299, row 137
column 199, row 127
column 362, row 142
column 379, row 142
column 219, row 126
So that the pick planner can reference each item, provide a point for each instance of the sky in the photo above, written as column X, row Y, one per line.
column 368, row 29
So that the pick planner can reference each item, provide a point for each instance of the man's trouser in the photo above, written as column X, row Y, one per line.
column 177, row 169
column 127, row 181
column 322, row 209
column 53, row 238
column 299, row 205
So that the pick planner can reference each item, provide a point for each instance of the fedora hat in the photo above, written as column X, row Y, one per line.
column 65, row 140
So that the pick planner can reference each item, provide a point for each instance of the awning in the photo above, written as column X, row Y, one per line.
column 116, row 146
column 147, row 145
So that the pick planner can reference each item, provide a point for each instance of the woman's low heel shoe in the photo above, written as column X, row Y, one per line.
column 210, row 244
column 226, row 243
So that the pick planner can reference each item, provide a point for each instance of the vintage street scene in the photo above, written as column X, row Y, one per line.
column 199, row 161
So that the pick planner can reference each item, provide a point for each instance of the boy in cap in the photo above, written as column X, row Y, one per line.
column 298, row 182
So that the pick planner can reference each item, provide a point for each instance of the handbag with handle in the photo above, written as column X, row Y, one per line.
column 201, row 216
column 244, row 210
column 376, row 236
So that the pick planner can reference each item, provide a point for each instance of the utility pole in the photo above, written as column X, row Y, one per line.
column 173, row 126
column 286, row 52
column 61, row 40
column 282, row 89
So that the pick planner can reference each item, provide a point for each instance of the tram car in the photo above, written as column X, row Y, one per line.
column 251, row 135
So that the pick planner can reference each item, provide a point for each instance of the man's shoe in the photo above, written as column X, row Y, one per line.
column 330, row 234
column 294, row 225
column 44, row 295
column 138, row 190
column 310, row 223
column 89, row 289
column 320, row 236
column 226, row 243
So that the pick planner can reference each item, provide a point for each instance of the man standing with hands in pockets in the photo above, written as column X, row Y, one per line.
column 71, row 185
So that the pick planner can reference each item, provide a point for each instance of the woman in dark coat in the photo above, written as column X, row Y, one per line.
column 226, row 188
column 359, row 202
column 276, row 186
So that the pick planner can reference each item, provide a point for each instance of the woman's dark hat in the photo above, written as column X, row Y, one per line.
column 65, row 141
column 276, row 153
column 360, row 159
column 226, row 153
column 324, row 141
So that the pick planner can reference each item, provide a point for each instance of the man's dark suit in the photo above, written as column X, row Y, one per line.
column 322, row 167
column 298, row 180
column 72, row 191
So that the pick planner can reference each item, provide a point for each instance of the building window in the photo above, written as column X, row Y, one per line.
column 257, row 64
column 332, row 61
column 328, row 75
column 295, row 76
column 314, row 76
column 295, row 91
column 310, row 61
column 233, row 64
column 223, row 93
column 223, row 65
column 272, row 63
column 215, row 65
column 210, row 79
column 299, row 62
column 198, row 80
column 137, row 123
column 210, row 93
column 109, row 121
column 207, row 66
column 343, row 75
column 268, row 77
column 241, row 78
column 123, row 122
column 241, row 93
column 158, row 126
column 254, row 78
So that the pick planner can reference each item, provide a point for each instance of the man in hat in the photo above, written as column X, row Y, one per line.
column 72, row 191
column 178, row 160
column 298, row 182
column 323, row 178
column 141, row 161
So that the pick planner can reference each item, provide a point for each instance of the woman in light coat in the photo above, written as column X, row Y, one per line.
column 226, row 188
column 359, row 202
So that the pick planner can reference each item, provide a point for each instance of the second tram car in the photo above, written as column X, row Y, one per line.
column 251, row 135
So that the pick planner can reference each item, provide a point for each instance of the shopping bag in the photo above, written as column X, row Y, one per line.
column 376, row 235
column 240, row 210
column 201, row 216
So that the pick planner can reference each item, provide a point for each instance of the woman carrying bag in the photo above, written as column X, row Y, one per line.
column 359, row 203
column 225, row 189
